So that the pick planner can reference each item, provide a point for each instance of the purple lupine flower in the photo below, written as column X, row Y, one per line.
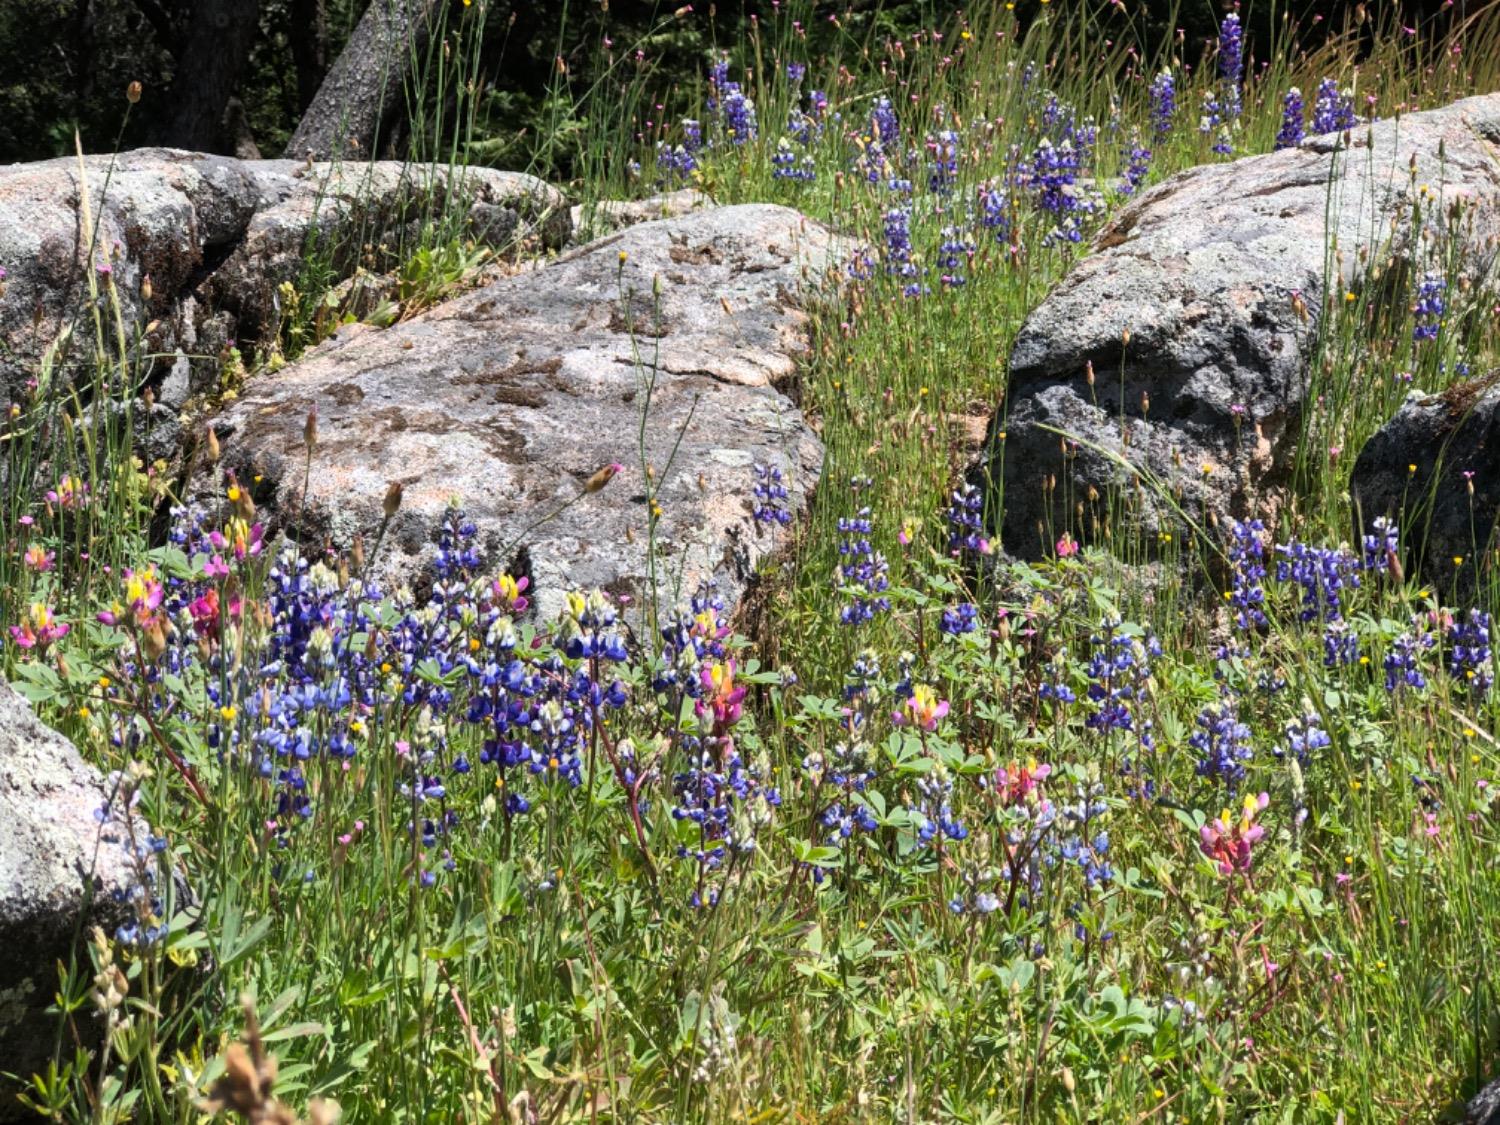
column 770, row 496
column 1340, row 645
column 730, row 106
column 1052, row 174
column 1402, row 663
column 1469, row 651
column 1333, row 110
column 1231, row 62
column 739, row 115
column 1137, row 167
column 942, row 165
column 1119, row 667
column 884, row 127
column 1429, row 308
column 1163, row 103
column 1324, row 573
column 787, row 165
column 960, row 619
column 994, row 212
column 863, row 573
column 954, row 254
column 1292, row 131
column 1247, row 554
column 1223, row 744
column 1381, row 542
column 966, row 522
column 1304, row 737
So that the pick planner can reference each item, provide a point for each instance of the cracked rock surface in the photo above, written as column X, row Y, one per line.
column 1204, row 403
column 217, row 236
column 680, row 332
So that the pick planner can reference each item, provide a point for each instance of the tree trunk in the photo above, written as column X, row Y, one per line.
column 208, row 65
column 364, row 88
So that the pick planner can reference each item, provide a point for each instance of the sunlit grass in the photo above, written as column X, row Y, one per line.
column 571, row 961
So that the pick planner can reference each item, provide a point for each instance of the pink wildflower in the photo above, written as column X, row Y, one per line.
column 206, row 612
column 71, row 492
column 507, row 593
column 39, row 558
column 143, row 596
column 923, row 710
column 1227, row 841
column 241, row 539
column 722, row 697
column 1015, row 782
column 39, row 628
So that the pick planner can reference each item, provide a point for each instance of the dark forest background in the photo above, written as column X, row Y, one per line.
column 228, row 75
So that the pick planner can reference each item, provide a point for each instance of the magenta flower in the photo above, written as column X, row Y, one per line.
column 39, row 558
column 143, row 596
column 1227, row 841
column 241, row 539
column 1017, row 781
column 39, row 628
column 507, row 593
column 206, row 613
column 923, row 710
column 71, row 492
column 722, row 697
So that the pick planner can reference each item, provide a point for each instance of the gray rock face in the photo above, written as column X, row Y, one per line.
column 1443, row 437
column 1196, row 309
column 60, row 873
column 674, row 333
column 608, row 215
column 216, row 236
column 1484, row 1107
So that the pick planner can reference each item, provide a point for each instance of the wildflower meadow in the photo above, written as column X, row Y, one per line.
column 1196, row 829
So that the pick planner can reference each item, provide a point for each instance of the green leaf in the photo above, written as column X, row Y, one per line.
column 295, row 1031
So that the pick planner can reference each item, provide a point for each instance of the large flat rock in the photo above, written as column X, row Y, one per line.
column 1185, row 308
column 217, row 236
column 675, row 334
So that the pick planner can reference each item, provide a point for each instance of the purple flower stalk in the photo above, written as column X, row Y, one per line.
column 1292, row 131
column 1333, row 110
column 1429, row 308
column 1231, row 62
column 1163, row 103
column 1223, row 745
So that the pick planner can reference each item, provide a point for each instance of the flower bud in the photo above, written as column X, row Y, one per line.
column 153, row 642
column 602, row 477
column 133, row 93
column 392, row 503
